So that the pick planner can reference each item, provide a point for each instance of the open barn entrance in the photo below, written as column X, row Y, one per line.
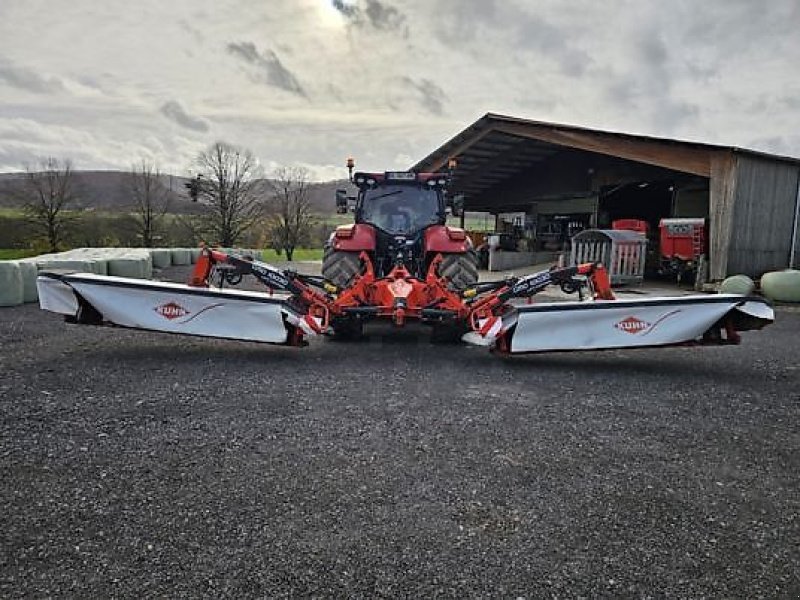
column 648, row 201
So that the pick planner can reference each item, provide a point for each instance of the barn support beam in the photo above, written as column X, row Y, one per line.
column 722, row 192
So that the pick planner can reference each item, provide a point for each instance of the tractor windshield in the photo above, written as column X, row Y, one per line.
column 400, row 209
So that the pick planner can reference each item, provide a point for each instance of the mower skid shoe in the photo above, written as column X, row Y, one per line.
column 641, row 323
column 167, row 307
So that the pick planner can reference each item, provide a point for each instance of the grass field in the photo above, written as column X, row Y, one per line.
column 15, row 253
column 299, row 254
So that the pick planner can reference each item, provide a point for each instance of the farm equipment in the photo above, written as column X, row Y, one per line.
column 682, row 243
column 400, row 262
column 295, row 307
column 399, row 235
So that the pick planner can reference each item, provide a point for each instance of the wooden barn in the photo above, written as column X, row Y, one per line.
column 561, row 179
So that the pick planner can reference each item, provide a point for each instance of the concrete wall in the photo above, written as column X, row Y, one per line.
column 500, row 260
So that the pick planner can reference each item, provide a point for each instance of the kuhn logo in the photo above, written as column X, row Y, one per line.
column 171, row 310
column 632, row 325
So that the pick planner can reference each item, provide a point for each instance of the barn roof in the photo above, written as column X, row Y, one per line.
column 497, row 147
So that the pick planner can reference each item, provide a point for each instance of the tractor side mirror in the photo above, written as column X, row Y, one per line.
column 341, row 201
column 457, row 205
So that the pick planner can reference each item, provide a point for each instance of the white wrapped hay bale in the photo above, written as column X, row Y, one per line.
column 65, row 263
column 84, row 260
column 11, row 289
column 782, row 286
column 100, row 266
column 194, row 254
column 135, row 264
column 162, row 257
column 737, row 284
column 29, row 272
column 148, row 266
column 181, row 256
column 132, row 267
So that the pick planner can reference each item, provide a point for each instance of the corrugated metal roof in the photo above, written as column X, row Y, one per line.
column 497, row 147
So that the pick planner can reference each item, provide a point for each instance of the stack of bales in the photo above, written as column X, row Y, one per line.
column 18, row 277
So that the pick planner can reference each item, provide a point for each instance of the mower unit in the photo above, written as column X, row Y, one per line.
column 492, row 314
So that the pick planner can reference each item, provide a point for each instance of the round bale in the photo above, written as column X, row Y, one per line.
column 782, row 286
column 737, row 284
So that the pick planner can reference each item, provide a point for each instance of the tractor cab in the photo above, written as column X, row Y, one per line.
column 400, row 226
column 400, row 203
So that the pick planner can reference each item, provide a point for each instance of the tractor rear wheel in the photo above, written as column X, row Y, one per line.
column 340, row 268
column 460, row 270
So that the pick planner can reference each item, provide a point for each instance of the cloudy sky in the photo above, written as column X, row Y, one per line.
column 308, row 82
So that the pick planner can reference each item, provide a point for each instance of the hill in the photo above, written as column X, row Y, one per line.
column 109, row 191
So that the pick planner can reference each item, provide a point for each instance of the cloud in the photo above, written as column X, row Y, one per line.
column 382, row 78
column 474, row 25
column 27, row 79
column 382, row 16
column 430, row 95
column 351, row 11
column 175, row 112
column 270, row 68
column 374, row 14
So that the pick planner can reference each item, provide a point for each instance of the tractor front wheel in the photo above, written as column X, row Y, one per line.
column 460, row 270
column 340, row 268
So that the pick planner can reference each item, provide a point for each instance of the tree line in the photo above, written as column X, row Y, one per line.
column 229, row 183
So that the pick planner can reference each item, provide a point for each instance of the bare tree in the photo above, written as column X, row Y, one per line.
column 49, row 193
column 151, row 200
column 227, row 182
column 290, row 219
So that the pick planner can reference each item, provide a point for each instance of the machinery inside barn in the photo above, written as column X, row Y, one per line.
column 544, row 183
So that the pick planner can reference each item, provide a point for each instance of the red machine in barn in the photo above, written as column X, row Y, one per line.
column 400, row 262
column 682, row 242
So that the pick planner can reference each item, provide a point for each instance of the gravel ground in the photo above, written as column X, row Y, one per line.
column 148, row 465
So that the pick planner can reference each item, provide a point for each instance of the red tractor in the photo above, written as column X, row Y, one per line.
column 399, row 235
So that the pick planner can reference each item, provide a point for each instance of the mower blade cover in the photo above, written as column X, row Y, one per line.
column 608, row 324
column 166, row 307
